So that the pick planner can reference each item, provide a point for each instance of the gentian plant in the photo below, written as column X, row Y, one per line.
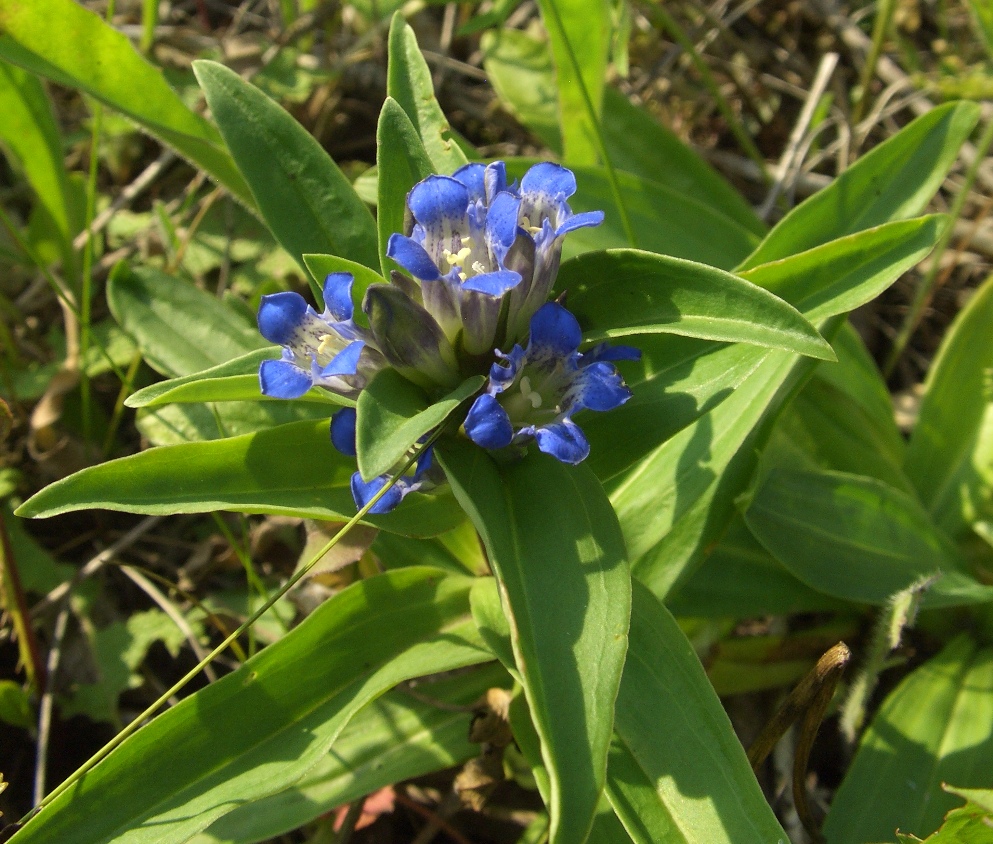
column 555, row 396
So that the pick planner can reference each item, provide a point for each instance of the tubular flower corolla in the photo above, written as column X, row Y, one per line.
column 343, row 439
column 533, row 393
column 325, row 350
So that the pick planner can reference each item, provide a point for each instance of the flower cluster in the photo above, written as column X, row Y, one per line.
column 481, row 257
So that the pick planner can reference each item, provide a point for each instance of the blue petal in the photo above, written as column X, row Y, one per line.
column 495, row 179
column 438, row 198
column 338, row 295
column 599, row 387
column 410, row 255
column 580, row 221
column 346, row 362
column 493, row 284
column 604, row 351
column 283, row 380
column 564, row 441
column 555, row 330
column 488, row 424
column 502, row 375
column 550, row 179
column 280, row 314
column 343, row 431
column 501, row 223
column 473, row 177
column 363, row 492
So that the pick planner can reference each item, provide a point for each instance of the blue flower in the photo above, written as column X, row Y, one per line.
column 477, row 243
column 325, row 350
column 343, row 439
column 534, row 392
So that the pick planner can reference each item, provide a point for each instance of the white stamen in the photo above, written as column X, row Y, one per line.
column 526, row 224
column 529, row 394
column 326, row 341
column 477, row 267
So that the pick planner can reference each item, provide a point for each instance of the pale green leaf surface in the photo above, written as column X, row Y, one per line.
column 304, row 198
column 894, row 181
column 623, row 292
column 393, row 414
column 856, row 538
column 266, row 724
column 112, row 70
column 320, row 266
column 567, row 591
column 936, row 726
column 950, row 456
column 290, row 469
column 409, row 83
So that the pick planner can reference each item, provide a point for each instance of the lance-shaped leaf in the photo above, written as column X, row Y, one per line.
column 258, row 730
column 621, row 292
column 307, row 202
column 85, row 52
column 554, row 545
column 409, row 83
column 677, row 772
column 393, row 414
column 409, row 337
column 289, row 469
column 935, row 727
column 857, row 538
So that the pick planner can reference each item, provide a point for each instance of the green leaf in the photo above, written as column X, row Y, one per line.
column 15, row 706
column 409, row 83
column 622, row 292
column 393, row 414
column 969, row 824
column 856, row 538
column 236, row 380
column 110, row 69
column 290, row 469
column 519, row 66
column 936, row 726
column 395, row 738
column 892, row 182
column 321, row 266
column 307, row 202
column 677, row 772
column 401, row 163
column 262, row 727
column 29, row 134
column 566, row 592
column 178, row 328
column 950, row 457
column 692, row 229
column 844, row 274
column 579, row 33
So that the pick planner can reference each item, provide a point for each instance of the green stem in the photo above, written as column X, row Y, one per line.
column 926, row 288
column 594, row 119
column 133, row 727
column 86, row 289
column 884, row 14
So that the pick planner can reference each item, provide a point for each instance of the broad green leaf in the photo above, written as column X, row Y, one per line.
column 83, row 51
column 401, row 163
column 740, row 579
column 983, row 15
column 321, row 266
column 936, row 726
column 290, row 469
column 393, row 414
column 579, row 33
column 677, row 772
column 663, row 218
column 566, row 592
column 178, row 328
column 839, row 276
column 236, row 380
column 262, row 727
column 950, row 457
column 622, row 292
column 307, row 202
column 519, row 66
column 969, row 824
column 15, row 706
column 856, row 538
column 409, row 83
column 29, row 134
column 395, row 738
column 892, row 182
